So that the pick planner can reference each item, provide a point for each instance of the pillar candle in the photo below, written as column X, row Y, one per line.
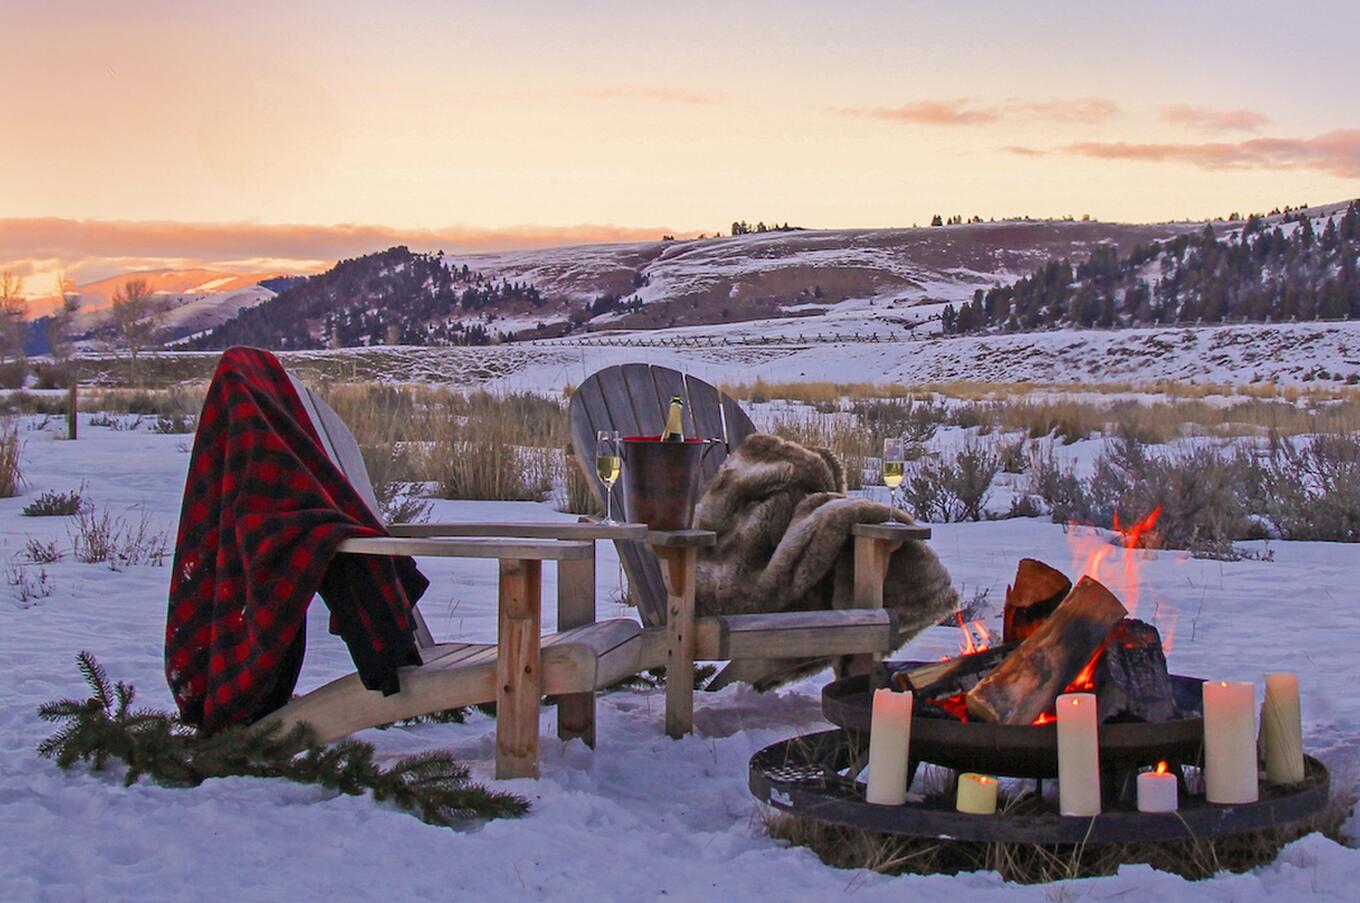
column 889, row 737
column 977, row 794
column 1078, row 755
column 1282, row 729
column 1230, row 741
column 1157, row 791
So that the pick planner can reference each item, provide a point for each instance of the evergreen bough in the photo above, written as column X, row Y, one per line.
column 431, row 786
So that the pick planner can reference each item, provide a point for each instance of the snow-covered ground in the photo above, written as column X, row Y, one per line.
column 642, row 817
column 1305, row 354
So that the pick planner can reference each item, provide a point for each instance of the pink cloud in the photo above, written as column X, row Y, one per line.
column 930, row 112
column 1336, row 152
column 966, row 111
column 1080, row 109
column 1209, row 119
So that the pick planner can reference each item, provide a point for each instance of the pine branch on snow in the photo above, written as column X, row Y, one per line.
column 431, row 786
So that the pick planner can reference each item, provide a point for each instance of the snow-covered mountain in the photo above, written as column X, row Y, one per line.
column 195, row 299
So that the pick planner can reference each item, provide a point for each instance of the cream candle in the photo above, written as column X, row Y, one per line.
column 1230, row 742
column 1157, row 790
column 1078, row 755
column 1282, row 729
column 977, row 794
column 889, row 739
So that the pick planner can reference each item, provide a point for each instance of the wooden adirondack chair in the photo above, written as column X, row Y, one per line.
column 515, row 672
column 633, row 399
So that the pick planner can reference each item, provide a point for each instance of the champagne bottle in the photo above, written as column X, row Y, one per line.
column 674, row 432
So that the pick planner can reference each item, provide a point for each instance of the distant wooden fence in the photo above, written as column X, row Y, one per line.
column 834, row 338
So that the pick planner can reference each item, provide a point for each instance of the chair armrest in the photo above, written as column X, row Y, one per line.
column 518, row 550
column 579, row 531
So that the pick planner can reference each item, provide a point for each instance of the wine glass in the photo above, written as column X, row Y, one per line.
column 608, row 464
column 894, row 469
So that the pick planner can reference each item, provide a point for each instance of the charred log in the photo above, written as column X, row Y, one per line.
column 1132, row 682
column 1028, row 682
column 1037, row 592
column 956, row 675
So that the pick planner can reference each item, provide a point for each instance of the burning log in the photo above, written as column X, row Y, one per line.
column 1027, row 683
column 1037, row 592
column 956, row 675
column 1132, row 682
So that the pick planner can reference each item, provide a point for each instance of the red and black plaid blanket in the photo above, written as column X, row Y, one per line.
column 264, row 509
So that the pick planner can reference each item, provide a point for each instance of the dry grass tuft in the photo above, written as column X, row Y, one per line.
column 11, row 468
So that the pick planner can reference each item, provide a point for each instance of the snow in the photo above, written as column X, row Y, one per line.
column 641, row 817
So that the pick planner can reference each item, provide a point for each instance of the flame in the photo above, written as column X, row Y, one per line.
column 1085, row 681
column 968, row 645
column 1162, row 767
column 1045, row 718
column 1090, row 551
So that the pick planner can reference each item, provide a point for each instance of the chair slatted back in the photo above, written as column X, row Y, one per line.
column 343, row 450
column 633, row 399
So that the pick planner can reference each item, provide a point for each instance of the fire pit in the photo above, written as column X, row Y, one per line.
column 991, row 712
column 1020, row 750
column 813, row 777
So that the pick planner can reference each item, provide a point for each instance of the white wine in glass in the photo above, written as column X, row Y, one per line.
column 894, row 468
column 608, row 465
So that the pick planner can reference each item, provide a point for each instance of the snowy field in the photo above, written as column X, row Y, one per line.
column 642, row 817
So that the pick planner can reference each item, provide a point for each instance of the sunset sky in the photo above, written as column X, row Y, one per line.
column 251, row 136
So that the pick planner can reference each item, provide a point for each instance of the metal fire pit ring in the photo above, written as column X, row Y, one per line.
column 800, row 776
column 1023, row 751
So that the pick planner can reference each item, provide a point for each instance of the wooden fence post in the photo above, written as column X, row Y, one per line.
column 72, row 417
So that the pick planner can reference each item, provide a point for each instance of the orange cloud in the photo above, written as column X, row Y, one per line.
column 1336, row 153
column 966, row 111
column 1209, row 119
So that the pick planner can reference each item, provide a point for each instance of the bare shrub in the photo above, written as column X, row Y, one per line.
column 11, row 470
column 915, row 422
column 1058, row 486
column 40, row 552
column 1310, row 490
column 100, row 537
column 13, row 373
column 944, row 490
column 1198, row 489
column 1012, row 457
column 55, row 504
column 28, row 586
column 173, row 424
column 50, row 376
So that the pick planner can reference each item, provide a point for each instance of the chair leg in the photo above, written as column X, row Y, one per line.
column 678, row 568
column 519, row 678
column 575, row 608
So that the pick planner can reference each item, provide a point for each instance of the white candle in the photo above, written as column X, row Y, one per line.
column 1157, row 790
column 977, row 794
column 1078, row 755
column 1230, row 741
column 889, row 737
column 1282, row 729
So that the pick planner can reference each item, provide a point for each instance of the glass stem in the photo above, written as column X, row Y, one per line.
column 609, row 503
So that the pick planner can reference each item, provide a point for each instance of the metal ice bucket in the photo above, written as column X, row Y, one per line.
column 661, row 480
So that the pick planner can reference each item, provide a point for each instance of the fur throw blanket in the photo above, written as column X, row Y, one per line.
column 783, row 521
